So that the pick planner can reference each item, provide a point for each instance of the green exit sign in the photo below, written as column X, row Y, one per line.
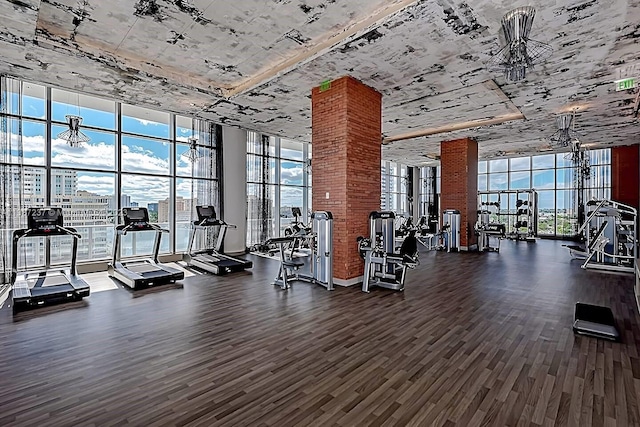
column 625, row 84
column 325, row 85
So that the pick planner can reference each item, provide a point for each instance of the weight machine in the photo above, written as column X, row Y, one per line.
column 520, row 220
column 320, row 240
column 610, row 237
column 382, row 265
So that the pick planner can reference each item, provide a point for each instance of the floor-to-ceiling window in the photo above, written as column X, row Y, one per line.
column 394, row 188
column 278, row 179
column 135, row 157
column 555, row 180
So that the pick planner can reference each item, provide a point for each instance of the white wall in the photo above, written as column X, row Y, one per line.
column 234, row 172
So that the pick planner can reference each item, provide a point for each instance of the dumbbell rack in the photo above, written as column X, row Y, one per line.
column 521, row 219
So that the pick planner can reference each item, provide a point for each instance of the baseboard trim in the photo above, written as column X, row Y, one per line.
column 348, row 282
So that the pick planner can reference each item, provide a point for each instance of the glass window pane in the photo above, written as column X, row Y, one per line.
column 600, row 157
column 145, row 156
column 260, row 213
column 98, row 153
column 482, row 167
column 184, row 128
column 191, row 193
column 291, row 173
column 291, row 149
column 33, row 101
column 600, row 176
column 482, row 182
column 500, row 165
column 544, row 179
column 520, row 164
column 201, row 167
column 546, row 161
column 261, row 169
column 88, row 203
column 13, row 96
column 546, row 212
column 498, row 181
column 564, row 178
column 563, row 160
column 143, row 121
column 565, row 217
column 289, row 197
column 519, row 180
column 95, row 112
column 33, row 142
column 140, row 190
column 256, row 144
column 32, row 185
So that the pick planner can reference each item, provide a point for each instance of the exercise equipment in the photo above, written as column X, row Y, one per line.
column 382, row 265
column 213, row 259
column 140, row 272
column 451, row 229
column 487, row 230
column 321, row 260
column 33, row 288
column 518, row 213
column 596, row 321
column 609, row 232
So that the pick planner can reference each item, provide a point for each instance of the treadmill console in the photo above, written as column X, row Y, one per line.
column 207, row 215
column 44, row 219
column 136, row 218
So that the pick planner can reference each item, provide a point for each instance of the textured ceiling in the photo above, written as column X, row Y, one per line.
column 252, row 63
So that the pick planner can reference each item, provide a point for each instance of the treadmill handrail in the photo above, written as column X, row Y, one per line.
column 30, row 232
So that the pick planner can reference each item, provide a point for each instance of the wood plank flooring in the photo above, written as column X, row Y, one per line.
column 474, row 340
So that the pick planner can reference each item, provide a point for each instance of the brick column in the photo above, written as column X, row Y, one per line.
column 624, row 174
column 346, row 143
column 459, row 185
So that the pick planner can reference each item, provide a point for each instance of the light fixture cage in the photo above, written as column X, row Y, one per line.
column 565, row 136
column 193, row 153
column 521, row 52
column 73, row 135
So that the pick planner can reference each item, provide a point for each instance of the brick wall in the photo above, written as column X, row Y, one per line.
column 459, row 185
column 624, row 174
column 346, row 138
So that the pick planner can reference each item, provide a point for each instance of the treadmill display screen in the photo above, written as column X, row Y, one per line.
column 135, row 216
column 44, row 218
column 206, row 212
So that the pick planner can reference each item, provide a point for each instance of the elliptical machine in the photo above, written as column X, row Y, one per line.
column 382, row 265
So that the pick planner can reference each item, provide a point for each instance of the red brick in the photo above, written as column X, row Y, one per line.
column 346, row 137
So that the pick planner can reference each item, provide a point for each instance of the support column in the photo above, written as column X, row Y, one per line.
column 234, row 160
column 624, row 174
column 459, row 185
column 346, row 141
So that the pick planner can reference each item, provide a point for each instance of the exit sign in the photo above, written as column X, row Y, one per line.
column 325, row 85
column 625, row 84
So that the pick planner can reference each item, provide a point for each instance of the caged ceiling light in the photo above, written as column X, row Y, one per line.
column 565, row 136
column 73, row 135
column 520, row 52
column 193, row 153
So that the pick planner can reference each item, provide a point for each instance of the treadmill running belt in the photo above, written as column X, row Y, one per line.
column 154, row 273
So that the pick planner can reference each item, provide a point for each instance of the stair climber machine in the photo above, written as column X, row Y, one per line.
column 33, row 288
column 382, row 265
column 140, row 272
column 320, row 240
column 212, row 260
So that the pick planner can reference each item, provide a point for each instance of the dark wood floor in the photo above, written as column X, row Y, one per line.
column 475, row 339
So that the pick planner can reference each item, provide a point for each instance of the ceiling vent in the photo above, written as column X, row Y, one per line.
column 521, row 52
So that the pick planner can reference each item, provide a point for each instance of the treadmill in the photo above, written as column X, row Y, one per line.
column 139, row 273
column 34, row 288
column 212, row 260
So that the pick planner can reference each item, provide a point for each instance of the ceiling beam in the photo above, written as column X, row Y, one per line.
column 347, row 34
column 456, row 126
